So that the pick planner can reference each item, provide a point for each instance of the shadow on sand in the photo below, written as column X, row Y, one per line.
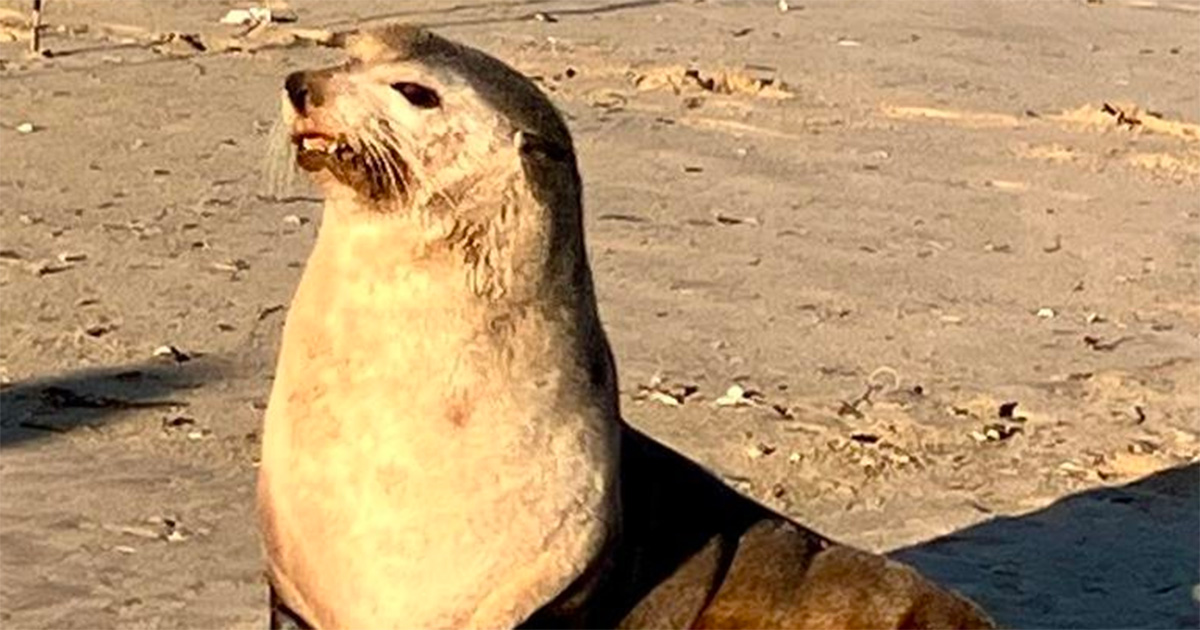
column 1116, row 557
column 1119, row 557
column 50, row 406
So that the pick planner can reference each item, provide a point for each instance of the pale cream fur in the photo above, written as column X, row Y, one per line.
column 435, row 451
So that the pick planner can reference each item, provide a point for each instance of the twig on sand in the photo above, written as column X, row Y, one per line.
column 35, row 29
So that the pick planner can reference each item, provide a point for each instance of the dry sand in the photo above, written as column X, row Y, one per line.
column 886, row 221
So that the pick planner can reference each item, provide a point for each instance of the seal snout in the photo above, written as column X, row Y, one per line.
column 303, row 91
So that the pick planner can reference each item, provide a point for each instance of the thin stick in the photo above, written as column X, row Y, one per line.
column 35, row 37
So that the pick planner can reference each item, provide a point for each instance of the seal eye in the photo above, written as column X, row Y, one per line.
column 417, row 94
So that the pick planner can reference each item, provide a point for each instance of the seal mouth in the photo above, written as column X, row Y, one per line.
column 369, row 168
column 318, row 151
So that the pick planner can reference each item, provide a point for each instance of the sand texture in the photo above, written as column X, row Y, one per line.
column 922, row 274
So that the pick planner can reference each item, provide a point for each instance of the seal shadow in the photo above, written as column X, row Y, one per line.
column 1117, row 557
column 49, row 406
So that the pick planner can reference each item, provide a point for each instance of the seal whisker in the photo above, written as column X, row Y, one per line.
column 376, row 171
column 391, row 157
column 279, row 161
column 380, row 171
column 386, row 163
column 390, row 146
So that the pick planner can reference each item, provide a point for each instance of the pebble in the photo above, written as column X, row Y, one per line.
column 735, row 396
column 198, row 434
column 665, row 399
column 172, row 352
column 755, row 451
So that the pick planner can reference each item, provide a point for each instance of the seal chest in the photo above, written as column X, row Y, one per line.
column 440, row 446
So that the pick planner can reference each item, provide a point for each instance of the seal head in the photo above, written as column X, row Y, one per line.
column 413, row 115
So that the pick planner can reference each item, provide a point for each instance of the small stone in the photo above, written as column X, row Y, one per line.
column 171, row 352
column 198, row 434
column 663, row 398
column 735, row 396
column 863, row 437
column 1071, row 467
column 124, row 549
column 248, row 17
column 998, row 432
column 26, row 127
column 1046, row 313
column 173, row 422
column 71, row 257
column 98, row 330
column 756, row 451
column 232, row 266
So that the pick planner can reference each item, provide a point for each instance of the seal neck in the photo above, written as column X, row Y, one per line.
column 513, row 248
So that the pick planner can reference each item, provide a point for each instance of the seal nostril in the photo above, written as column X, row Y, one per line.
column 297, row 90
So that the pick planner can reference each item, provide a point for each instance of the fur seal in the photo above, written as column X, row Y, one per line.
column 443, row 445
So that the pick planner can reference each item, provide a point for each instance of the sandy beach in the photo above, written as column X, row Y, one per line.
column 922, row 274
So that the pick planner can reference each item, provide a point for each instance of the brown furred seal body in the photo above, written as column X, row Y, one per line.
column 693, row 553
column 442, row 446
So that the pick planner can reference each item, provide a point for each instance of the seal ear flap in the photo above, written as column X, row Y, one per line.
column 390, row 42
column 539, row 148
